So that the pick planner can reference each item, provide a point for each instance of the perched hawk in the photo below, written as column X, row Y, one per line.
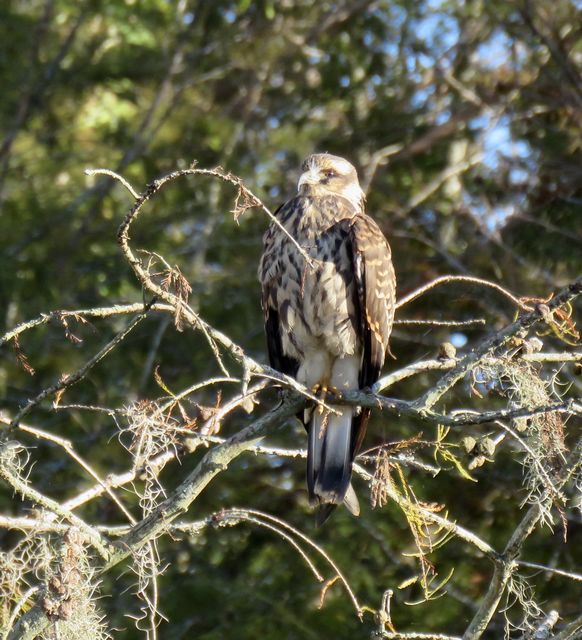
column 328, row 322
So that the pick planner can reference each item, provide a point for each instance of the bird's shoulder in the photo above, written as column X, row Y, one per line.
column 366, row 232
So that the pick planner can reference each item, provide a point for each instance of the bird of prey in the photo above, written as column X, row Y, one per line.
column 328, row 318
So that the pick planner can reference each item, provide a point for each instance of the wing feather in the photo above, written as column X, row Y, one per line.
column 375, row 304
column 277, row 359
column 269, row 276
column 376, row 289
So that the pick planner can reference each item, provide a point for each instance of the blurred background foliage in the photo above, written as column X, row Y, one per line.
column 465, row 122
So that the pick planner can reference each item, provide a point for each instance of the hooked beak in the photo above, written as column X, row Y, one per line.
column 309, row 177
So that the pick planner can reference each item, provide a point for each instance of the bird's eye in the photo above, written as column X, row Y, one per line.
column 329, row 173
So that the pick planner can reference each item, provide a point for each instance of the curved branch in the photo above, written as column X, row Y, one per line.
column 96, row 312
column 68, row 381
column 502, row 574
column 498, row 339
column 470, row 279
column 32, row 624
column 9, row 473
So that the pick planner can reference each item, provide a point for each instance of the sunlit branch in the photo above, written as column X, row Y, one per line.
column 71, row 379
column 68, row 447
column 466, row 279
column 9, row 472
column 497, row 340
column 94, row 312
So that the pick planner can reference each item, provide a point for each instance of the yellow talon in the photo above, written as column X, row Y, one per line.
column 319, row 390
column 322, row 391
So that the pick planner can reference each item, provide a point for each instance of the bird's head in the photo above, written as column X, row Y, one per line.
column 324, row 175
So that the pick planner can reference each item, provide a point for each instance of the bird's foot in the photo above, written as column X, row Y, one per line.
column 322, row 392
column 318, row 388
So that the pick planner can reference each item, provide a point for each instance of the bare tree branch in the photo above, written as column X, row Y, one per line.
column 471, row 360
column 70, row 380
column 9, row 466
column 160, row 517
column 502, row 574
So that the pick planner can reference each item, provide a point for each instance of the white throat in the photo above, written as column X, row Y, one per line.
column 355, row 195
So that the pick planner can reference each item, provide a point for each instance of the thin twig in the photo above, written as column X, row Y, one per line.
column 112, row 174
column 8, row 474
column 442, row 323
column 118, row 480
column 67, row 445
column 189, row 316
column 73, row 378
column 572, row 631
column 317, row 548
column 448, row 525
column 396, row 635
column 444, row 364
column 249, row 199
column 95, row 312
column 37, row 525
column 546, row 569
column 22, row 601
column 501, row 574
column 233, row 516
column 468, row 279
column 497, row 340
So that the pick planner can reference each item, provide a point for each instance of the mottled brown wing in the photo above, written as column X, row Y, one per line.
column 269, row 284
column 376, row 286
column 277, row 358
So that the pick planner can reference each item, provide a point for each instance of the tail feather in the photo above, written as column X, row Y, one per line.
column 314, row 447
column 351, row 503
column 329, row 456
column 323, row 513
